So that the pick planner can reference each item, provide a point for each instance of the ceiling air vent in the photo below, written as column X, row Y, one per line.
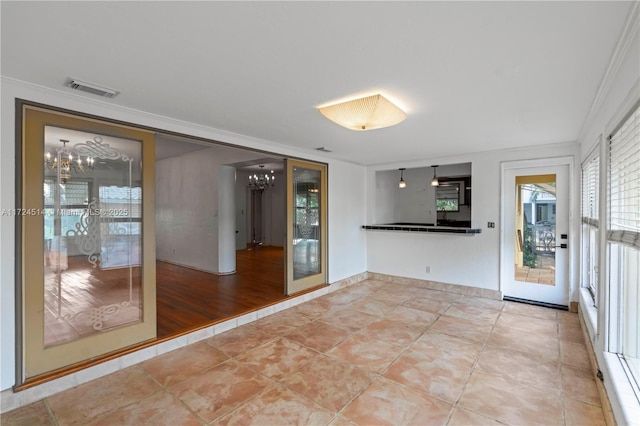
column 323, row 149
column 94, row 89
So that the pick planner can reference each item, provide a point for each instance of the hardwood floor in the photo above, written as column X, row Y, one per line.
column 188, row 299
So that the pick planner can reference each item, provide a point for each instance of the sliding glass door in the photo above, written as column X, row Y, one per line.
column 88, row 252
column 307, row 225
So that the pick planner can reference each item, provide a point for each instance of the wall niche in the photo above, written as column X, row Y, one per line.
column 420, row 203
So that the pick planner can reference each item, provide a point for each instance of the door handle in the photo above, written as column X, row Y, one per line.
column 564, row 246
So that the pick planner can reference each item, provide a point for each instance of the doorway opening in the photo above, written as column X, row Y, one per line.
column 219, row 241
column 536, row 229
column 535, row 208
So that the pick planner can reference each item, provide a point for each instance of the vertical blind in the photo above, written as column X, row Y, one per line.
column 624, row 182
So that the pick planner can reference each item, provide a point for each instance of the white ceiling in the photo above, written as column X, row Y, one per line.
column 472, row 76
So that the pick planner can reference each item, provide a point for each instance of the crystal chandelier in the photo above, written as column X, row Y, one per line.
column 64, row 161
column 261, row 181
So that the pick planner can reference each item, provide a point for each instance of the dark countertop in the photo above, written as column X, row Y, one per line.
column 424, row 227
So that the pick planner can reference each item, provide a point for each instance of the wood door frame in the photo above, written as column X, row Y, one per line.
column 322, row 277
column 29, row 235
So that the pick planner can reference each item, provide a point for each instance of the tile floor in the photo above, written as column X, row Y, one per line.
column 371, row 354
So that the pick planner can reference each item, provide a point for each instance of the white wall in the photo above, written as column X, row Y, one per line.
column 453, row 258
column 187, row 210
column 347, row 255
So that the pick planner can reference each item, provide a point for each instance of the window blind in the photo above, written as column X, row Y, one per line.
column 590, row 179
column 624, row 182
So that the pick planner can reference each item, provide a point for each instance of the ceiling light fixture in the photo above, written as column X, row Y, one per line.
column 261, row 181
column 63, row 160
column 368, row 113
column 402, row 184
column 434, row 181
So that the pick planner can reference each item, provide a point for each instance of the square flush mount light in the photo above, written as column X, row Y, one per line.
column 368, row 113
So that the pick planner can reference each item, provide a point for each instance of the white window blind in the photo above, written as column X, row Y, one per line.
column 624, row 183
column 590, row 180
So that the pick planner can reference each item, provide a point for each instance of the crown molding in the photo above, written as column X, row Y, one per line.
column 627, row 37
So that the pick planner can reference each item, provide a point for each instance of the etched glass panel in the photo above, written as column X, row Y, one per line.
column 92, row 233
column 306, row 233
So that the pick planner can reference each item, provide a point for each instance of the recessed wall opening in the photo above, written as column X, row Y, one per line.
column 207, row 273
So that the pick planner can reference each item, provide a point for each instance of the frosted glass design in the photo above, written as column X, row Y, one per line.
column 92, row 199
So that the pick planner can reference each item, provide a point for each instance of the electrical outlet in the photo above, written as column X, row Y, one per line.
column 491, row 224
column 428, row 269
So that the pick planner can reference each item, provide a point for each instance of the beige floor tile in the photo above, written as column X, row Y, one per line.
column 313, row 309
column 539, row 327
column 319, row 336
column 277, row 406
column 530, row 367
column 278, row 357
column 437, row 345
column 84, row 403
column 481, row 302
column 329, row 382
column 349, row 319
column 521, row 367
column 281, row 322
column 412, row 316
column 392, row 297
column 511, row 402
column 574, row 353
column 579, row 384
column 387, row 403
column 428, row 304
column 180, row 364
column 341, row 421
column 220, row 389
column 440, row 377
column 473, row 313
column 161, row 408
column 241, row 339
column 341, row 297
column 458, row 327
column 368, row 353
column 531, row 311
column 372, row 306
column 542, row 346
column 462, row 417
column 29, row 415
column 570, row 332
column 580, row 413
column 394, row 332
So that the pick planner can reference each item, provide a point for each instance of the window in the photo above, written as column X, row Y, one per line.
column 448, row 197
column 590, row 224
column 623, row 235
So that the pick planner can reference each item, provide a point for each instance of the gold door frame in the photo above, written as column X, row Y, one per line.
column 36, row 359
column 293, row 285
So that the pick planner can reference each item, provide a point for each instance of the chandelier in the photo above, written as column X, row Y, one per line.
column 261, row 181
column 64, row 161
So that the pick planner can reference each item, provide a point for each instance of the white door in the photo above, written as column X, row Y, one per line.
column 535, row 232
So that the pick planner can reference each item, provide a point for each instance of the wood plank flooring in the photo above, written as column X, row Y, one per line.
column 188, row 299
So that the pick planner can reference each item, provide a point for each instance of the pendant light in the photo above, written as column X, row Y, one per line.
column 402, row 184
column 434, row 181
